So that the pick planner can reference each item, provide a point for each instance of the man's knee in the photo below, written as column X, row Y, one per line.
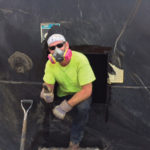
column 85, row 105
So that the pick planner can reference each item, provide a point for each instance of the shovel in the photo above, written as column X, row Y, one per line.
column 26, row 106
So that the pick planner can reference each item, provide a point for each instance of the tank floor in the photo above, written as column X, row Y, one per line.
column 53, row 148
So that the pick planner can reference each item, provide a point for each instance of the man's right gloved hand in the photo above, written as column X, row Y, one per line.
column 47, row 94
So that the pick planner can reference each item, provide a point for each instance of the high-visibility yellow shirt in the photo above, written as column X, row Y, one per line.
column 72, row 77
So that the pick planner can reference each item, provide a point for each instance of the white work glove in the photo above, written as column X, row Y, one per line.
column 60, row 110
column 47, row 94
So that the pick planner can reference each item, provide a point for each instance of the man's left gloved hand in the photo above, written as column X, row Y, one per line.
column 60, row 110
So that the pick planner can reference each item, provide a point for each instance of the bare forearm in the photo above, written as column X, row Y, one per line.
column 80, row 96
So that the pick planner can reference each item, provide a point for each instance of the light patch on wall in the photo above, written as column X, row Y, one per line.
column 44, row 27
column 118, row 77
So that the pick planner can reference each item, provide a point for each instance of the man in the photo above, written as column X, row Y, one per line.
column 74, row 75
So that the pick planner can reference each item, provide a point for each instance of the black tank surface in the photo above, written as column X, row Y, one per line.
column 115, row 37
column 66, row 149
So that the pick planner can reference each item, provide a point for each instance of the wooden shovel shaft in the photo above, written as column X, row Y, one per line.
column 24, row 129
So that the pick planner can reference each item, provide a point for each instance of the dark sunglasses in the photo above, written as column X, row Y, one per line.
column 58, row 45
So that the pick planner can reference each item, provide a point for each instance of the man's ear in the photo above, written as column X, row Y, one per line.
column 67, row 44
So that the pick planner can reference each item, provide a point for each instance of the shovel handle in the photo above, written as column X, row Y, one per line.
column 24, row 129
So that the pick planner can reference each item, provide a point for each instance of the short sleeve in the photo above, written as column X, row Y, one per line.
column 48, row 74
column 85, row 72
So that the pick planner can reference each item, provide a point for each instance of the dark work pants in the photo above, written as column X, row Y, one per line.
column 80, row 115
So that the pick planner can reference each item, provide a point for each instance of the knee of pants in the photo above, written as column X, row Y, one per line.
column 85, row 105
